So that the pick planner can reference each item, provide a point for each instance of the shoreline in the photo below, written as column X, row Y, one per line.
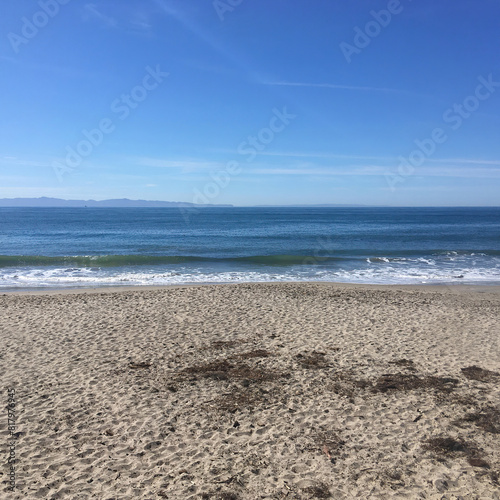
column 480, row 288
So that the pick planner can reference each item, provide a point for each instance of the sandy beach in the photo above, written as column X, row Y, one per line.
column 249, row 391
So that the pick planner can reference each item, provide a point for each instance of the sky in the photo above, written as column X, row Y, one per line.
column 248, row 102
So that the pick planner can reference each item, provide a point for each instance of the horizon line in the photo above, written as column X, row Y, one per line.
column 231, row 205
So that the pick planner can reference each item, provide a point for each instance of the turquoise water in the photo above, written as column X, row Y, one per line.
column 59, row 247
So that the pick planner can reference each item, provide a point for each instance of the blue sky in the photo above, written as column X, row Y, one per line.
column 252, row 101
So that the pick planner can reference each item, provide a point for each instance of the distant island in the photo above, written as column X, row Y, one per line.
column 118, row 203
column 126, row 203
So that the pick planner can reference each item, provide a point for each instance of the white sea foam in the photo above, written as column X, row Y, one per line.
column 409, row 271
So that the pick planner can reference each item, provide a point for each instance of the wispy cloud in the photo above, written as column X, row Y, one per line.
column 186, row 165
column 10, row 161
column 189, row 166
column 336, row 86
column 375, row 170
column 140, row 25
column 353, row 157
column 486, row 173
column 91, row 11
column 154, row 171
column 63, row 71
column 189, row 23
column 466, row 161
column 128, row 18
column 314, row 170
column 186, row 17
column 329, row 156
column 32, row 191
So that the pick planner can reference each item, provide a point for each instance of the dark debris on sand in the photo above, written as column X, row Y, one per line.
column 407, row 363
column 326, row 441
column 251, row 386
column 408, row 382
column 312, row 360
column 139, row 365
column 225, row 370
column 319, row 490
column 257, row 353
column 246, row 399
column 487, row 419
column 220, row 495
column 346, row 384
column 450, row 447
column 480, row 374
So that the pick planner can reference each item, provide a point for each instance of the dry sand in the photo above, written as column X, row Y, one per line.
column 252, row 391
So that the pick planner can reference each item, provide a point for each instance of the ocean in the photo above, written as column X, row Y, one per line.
column 90, row 247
